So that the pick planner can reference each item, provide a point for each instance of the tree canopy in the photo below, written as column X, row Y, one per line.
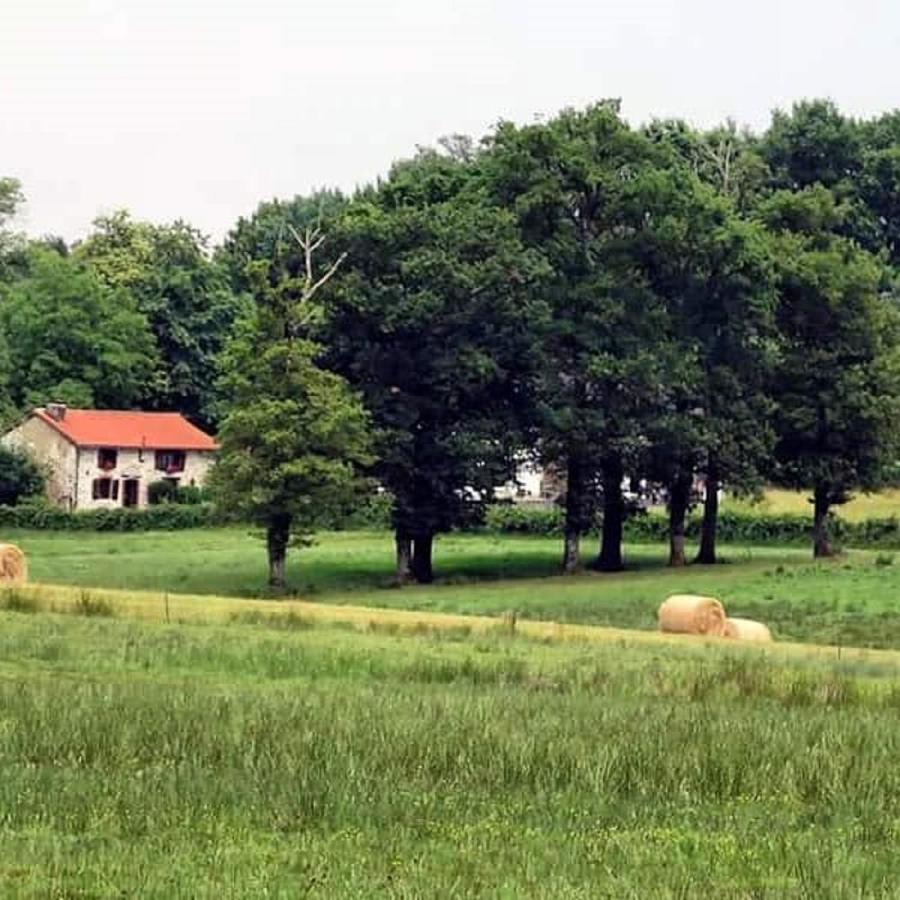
column 185, row 297
column 69, row 337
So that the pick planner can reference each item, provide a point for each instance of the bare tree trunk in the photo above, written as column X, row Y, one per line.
column 679, row 499
column 403, row 543
column 707, row 553
column 278, row 534
column 610, row 558
column 821, row 542
column 422, row 568
column 573, row 523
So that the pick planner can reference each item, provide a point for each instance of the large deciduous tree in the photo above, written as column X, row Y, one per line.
column 579, row 186
column 713, row 271
column 430, row 319
column 838, row 384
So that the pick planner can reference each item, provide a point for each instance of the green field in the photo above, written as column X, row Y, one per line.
column 281, row 756
column 240, row 761
column 852, row 601
column 881, row 505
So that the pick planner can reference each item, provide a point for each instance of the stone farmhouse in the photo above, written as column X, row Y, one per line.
column 104, row 458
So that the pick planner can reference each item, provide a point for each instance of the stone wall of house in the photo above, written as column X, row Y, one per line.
column 53, row 453
column 139, row 465
column 526, row 487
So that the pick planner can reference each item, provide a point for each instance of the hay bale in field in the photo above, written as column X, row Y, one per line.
column 13, row 567
column 747, row 630
column 692, row 614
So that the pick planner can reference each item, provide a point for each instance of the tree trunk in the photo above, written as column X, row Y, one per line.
column 403, row 543
column 821, row 543
column 679, row 498
column 573, row 524
column 278, row 534
column 571, row 550
column 421, row 560
column 707, row 553
column 610, row 558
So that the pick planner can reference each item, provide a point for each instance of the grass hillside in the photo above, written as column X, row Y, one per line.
column 249, row 760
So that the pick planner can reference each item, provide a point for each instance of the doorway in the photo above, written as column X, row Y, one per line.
column 130, row 492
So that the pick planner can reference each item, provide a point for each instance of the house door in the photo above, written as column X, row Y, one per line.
column 130, row 492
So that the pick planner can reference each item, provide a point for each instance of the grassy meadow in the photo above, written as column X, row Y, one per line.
column 160, row 745
column 241, row 759
column 851, row 601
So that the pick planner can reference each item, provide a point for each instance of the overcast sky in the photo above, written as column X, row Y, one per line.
column 199, row 109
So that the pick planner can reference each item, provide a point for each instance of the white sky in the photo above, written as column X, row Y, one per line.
column 199, row 109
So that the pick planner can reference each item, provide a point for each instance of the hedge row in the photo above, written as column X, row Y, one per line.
column 374, row 515
column 738, row 528
column 165, row 517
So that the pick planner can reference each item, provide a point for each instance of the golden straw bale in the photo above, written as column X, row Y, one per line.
column 13, row 568
column 692, row 614
column 747, row 630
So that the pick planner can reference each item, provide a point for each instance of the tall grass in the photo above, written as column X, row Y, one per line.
column 243, row 760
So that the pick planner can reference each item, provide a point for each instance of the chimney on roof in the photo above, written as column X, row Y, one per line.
column 57, row 411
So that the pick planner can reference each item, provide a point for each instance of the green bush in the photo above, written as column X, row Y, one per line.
column 372, row 515
column 20, row 478
column 509, row 518
column 165, row 491
column 161, row 491
column 190, row 495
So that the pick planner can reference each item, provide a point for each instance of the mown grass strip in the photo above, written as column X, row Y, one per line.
column 209, row 609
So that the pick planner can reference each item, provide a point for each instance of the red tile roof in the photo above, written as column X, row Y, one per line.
column 132, row 430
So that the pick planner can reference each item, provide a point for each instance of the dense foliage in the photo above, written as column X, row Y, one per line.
column 185, row 297
column 69, row 337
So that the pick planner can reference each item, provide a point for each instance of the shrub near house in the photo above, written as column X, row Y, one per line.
column 20, row 478
column 98, row 459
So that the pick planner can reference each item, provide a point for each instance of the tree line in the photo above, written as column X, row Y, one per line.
column 658, row 303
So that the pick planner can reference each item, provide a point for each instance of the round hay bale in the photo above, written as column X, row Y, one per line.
column 692, row 614
column 747, row 630
column 13, row 567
